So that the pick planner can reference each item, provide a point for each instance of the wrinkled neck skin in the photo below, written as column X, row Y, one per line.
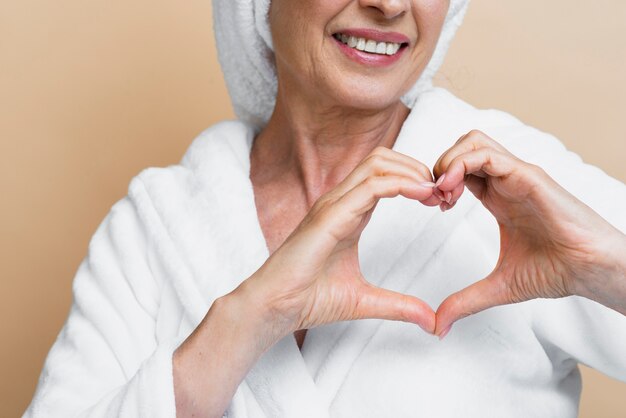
column 310, row 144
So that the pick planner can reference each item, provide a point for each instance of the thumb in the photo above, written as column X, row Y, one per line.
column 486, row 293
column 379, row 303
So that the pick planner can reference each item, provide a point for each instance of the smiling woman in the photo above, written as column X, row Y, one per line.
column 238, row 282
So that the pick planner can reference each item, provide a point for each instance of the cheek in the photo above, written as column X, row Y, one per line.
column 288, row 34
column 429, row 16
column 299, row 35
column 292, row 27
column 306, row 21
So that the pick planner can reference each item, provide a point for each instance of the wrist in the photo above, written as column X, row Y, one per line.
column 607, row 284
column 211, row 363
column 248, row 303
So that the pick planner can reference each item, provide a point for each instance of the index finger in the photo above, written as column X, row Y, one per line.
column 471, row 141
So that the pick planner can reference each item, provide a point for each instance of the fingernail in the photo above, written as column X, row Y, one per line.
column 439, row 194
column 428, row 184
column 440, row 180
column 448, row 197
column 445, row 332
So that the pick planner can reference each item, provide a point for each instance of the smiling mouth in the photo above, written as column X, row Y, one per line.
column 369, row 45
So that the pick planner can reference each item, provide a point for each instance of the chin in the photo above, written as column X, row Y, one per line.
column 364, row 95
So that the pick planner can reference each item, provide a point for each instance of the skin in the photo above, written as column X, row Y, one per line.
column 320, row 166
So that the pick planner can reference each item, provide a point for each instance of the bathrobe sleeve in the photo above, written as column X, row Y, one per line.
column 106, row 361
column 576, row 329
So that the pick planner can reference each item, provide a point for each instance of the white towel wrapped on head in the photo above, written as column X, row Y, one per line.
column 245, row 50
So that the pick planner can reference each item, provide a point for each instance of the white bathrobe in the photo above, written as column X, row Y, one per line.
column 189, row 233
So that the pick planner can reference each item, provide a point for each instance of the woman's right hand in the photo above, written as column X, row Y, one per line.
column 314, row 278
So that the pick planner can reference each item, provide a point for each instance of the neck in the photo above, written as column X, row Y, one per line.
column 315, row 146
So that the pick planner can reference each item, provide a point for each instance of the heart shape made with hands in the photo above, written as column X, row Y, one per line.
column 544, row 245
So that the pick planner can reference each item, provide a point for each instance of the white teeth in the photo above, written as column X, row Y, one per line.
column 368, row 45
column 360, row 44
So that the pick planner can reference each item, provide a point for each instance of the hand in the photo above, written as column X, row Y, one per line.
column 314, row 278
column 551, row 244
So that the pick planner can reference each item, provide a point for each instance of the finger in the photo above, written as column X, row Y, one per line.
column 450, row 198
column 483, row 161
column 379, row 303
column 407, row 160
column 347, row 212
column 364, row 196
column 457, row 192
column 433, row 200
column 471, row 141
column 382, row 162
column 486, row 293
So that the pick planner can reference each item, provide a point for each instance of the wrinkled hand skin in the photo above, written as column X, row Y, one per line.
column 551, row 244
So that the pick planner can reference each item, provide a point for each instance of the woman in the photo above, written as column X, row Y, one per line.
column 227, row 283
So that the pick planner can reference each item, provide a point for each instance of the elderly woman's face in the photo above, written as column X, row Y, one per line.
column 361, row 53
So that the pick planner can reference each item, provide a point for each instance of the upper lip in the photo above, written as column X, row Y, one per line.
column 376, row 35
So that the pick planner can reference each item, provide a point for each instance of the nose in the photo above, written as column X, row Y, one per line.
column 389, row 8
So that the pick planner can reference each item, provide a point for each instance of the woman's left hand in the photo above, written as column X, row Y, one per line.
column 551, row 244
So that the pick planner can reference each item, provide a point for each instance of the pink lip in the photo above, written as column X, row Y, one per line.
column 376, row 35
column 367, row 58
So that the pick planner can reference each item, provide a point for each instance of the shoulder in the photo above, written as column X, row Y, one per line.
column 439, row 118
column 217, row 152
column 455, row 117
column 221, row 144
column 169, row 205
column 170, row 212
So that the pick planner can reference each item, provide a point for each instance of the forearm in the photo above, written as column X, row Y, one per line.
column 211, row 363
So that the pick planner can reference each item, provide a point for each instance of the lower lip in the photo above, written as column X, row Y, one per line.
column 366, row 58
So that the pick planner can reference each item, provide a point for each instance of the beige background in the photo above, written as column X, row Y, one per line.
column 92, row 92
